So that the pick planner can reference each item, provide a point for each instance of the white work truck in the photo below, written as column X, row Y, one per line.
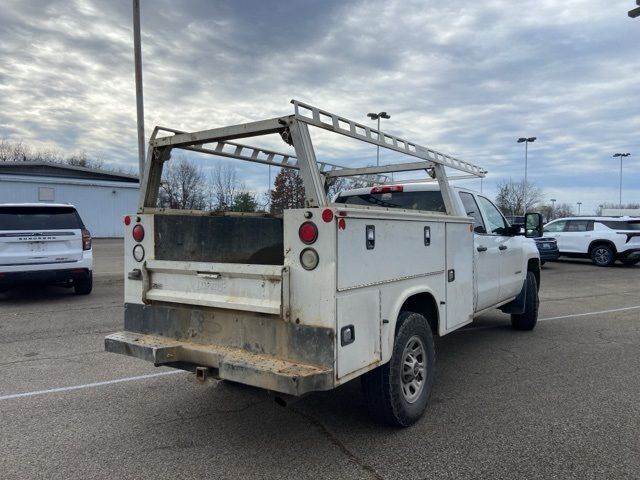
column 355, row 286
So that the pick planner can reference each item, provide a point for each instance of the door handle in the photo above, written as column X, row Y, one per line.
column 482, row 249
column 502, row 247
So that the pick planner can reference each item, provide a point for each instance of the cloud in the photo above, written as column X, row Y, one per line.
column 465, row 78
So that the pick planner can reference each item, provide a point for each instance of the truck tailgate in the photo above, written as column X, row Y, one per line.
column 254, row 288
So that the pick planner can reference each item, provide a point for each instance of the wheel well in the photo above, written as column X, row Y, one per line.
column 595, row 243
column 425, row 305
column 534, row 266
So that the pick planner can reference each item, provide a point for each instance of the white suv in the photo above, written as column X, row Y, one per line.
column 603, row 239
column 44, row 243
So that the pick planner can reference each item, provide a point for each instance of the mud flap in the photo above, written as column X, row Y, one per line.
column 517, row 305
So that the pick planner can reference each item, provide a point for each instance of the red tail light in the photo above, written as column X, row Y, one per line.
column 86, row 239
column 308, row 232
column 127, row 220
column 387, row 189
column 138, row 233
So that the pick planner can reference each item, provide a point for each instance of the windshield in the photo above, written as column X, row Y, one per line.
column 39, row 218
column 430, row 201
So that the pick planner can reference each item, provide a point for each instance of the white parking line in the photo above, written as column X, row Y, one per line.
column 87, row 385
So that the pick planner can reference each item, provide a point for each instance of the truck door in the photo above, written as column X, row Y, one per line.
column 486, row 256
column 511, row 258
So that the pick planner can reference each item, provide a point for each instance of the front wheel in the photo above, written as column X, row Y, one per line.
column 529, row 318
column 603, row 255
column 397, row 393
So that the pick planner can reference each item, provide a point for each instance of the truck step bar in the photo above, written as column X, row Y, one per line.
column 235, row 364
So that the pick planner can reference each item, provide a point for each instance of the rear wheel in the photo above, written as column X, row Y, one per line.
column 603, row 255
column 84, row 286
column 628, row 262
column 529, row 318
column 397, row 393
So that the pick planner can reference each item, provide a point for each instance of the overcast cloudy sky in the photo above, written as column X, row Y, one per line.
column 467, row 78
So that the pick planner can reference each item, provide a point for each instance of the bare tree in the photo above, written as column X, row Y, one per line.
column 224, row 187
column 511, row 197
column 183, row 186
column 340, row 184
column 563, row 210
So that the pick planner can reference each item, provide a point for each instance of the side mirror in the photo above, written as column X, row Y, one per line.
column 533, row 225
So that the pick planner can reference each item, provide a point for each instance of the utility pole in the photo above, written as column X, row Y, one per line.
column 579, row 203
column 553, row 208
column 137, row 53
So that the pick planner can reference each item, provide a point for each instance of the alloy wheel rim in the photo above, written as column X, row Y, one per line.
column 602, row 255
column 414, row 367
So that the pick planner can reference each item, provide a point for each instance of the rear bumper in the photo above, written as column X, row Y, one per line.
column 549, row 255
column 236, row 364
column 10, row 279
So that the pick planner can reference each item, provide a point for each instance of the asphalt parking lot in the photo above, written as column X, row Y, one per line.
column 562, row 401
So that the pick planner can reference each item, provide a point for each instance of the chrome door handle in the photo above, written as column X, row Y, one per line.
column 502, row 247
column 482, row 249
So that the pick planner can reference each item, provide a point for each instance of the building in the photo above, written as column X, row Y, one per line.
column 102, row 198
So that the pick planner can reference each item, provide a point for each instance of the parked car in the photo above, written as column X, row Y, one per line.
column 44, row 243
column 603, row 239
column 547, row 246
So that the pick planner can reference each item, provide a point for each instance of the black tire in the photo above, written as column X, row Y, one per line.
column 528, row 319
column 390, row 396
column 629, row 262
column 603, row 255
column 83, row 287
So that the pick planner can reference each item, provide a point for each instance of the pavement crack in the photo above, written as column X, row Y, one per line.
column 334, row 440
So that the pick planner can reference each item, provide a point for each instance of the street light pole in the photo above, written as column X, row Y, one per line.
column 378, row 116
column 553, row 208
column 579, row 203
column 137, row 54
column 620, row 191
column 526, row 185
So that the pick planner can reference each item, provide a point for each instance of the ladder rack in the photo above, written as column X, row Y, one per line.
column 328, row 121
column 266, row 157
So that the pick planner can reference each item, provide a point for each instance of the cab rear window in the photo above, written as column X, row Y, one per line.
column 429, row 201
column 39, row 218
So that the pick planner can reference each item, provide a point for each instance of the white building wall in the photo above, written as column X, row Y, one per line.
column 101, row 204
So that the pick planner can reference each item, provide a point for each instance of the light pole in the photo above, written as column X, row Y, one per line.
column 526, row 186
column 620, row 193
column 553, row 208
column 137, row 55
column 579, row 203
column 378, row 116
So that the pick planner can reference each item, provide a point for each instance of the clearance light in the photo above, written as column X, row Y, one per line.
column 308, row 232
column 138, row 233
column 127, row 220
column 327, row 215
column 309, row 258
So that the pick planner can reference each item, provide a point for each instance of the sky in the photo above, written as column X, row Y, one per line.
column 466, row 78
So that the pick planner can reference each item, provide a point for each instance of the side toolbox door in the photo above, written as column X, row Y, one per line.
column 459, row 290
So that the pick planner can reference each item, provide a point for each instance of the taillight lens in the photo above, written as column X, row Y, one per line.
column 327, row 215
column 127, row 220
column 308, row 232
column 86, row 239
column 138, row 233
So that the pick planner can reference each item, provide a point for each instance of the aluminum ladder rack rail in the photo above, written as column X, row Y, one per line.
column 263, row 156
column 335, row 123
